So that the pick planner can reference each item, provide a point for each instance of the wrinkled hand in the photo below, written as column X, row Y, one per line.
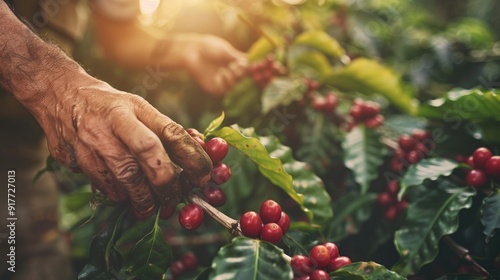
column 116, row 138
column 215, row 64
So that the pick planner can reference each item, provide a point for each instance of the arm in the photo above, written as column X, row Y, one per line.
column 114, row 137
column 213, row 62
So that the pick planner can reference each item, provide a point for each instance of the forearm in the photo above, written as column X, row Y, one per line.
column 128, row 44
column 32, row 70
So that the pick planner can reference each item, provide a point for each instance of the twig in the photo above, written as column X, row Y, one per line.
column 231, row 224
column 463, row 253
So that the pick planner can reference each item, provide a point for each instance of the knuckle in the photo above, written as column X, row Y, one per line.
column 129, row 173
column 145, row 144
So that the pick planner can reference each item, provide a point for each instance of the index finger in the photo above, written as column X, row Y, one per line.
column 182, row 149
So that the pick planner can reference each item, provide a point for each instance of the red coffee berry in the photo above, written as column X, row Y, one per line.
column 312, row 85
column 391, row 213
column 251, row 224
column 370, row 109
column 393, row 187
column 303, row 277
column 338, row 263
column 272, row 233
column 402, row 205
column 166, row 212
column 356, row 112
column 399, row 153
column 214, row 195
column 414, row 157
column 270, row 211
column 200, row 142
column 422, row 149
column 221, row 173
column 331, row 101
column 217, row 149
column 284, row 222
column 177, row 268
column 374, row 122
column 319, row 104
column 470, row 161
column 492, row 166
column 476, row 178
column 481, row 156
column 320, row 274
column 191, row 216
column 194, row 133
column 420, row 134
column 397, row 165
column 332, row 249
column 301, row 265
column 190, row 261
column 406, row 142
column 320, row 256
column 385, row 199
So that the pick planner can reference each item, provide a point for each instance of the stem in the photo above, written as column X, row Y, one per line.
column 232, row 225
column 463, row 253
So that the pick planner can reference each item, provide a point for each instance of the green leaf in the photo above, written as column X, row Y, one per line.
column 246, row 258
column 486, row 131
column 363, row 154
column 74, row 207
column 275, row 162
column 428, row 219
column 473, row 32
column 282, row 92
column 370, row 77
column 305, row 182
column 214, row 124
column 430, row 168
column 463, row 104
column 270, row 167
column 262, row 47
column 241, row 98
column 490, row 214
column 299, row 242
column 320, row 41
column 318, row 141
column 351, row 210
column 151, row 256
column 404, row 124
column 103, row 256
column 365, row 271
column 307, row 63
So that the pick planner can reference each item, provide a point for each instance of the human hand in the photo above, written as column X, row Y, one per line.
column 115, row 138
column 214, row 63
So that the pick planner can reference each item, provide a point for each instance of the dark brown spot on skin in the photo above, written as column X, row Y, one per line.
column 158, row 162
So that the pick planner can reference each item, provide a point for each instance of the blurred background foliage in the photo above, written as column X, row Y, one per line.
column 434, row 45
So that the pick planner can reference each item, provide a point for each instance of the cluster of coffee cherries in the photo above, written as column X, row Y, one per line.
column 322, row 260
column 484, row 166
column 270, row 224
column 388, row 200
column 366, row 112
column 263, row 71
column 325, row 103
column 191, row 215
column 412, row 149
column 187, row 263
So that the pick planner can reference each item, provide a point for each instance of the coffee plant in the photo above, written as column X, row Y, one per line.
column 330, row 161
